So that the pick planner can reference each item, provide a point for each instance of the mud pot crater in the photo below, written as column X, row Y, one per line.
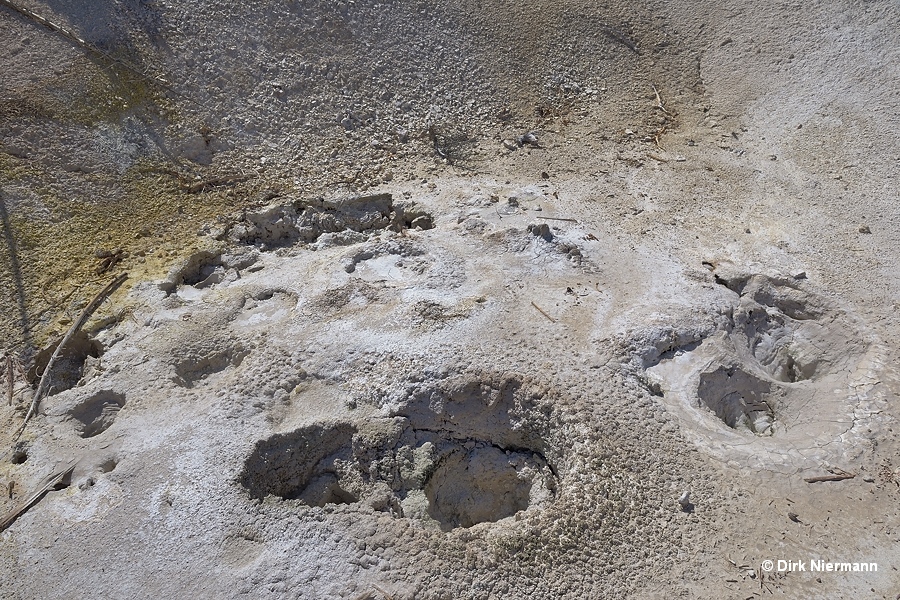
column 75, row 362
column 779, row 365
column 457, row 454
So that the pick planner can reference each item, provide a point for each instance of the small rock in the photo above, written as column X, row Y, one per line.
column 799, row 275
column 869, row 479
column 527, row 138
column 794, row 517
column 542, row 231
column 685, row 499
column 864, row 229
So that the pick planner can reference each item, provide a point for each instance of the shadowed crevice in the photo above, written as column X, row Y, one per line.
column 14, row 267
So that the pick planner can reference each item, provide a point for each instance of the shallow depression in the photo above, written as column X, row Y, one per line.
column 97, row 414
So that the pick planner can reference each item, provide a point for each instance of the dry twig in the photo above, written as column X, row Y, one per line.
column 557, row 219
column 13, row 369
column 658, row 135
column 200, row 186
column 383, row 592
column 82, row 319
column 835, row 477
column 620, row 37
column 78, row 41
column 43, row 487
column 541, row 310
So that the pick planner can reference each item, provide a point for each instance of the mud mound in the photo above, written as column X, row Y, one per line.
column 206, row 268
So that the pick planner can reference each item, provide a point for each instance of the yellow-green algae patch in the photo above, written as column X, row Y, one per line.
column 91, row 91
column 150, row 218
column 48, row 250
column 108, row 93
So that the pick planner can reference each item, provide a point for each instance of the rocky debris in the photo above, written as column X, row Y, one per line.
column 305, row 221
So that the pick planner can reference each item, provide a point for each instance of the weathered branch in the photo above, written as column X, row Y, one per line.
column 836, row 477
column 78, row 324
column 43, row 487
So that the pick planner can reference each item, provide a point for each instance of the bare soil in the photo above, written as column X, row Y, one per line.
column 451, row 300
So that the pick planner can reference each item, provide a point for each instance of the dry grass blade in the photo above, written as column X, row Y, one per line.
column 82, row 319
column 659, row 102
column 43, row 487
